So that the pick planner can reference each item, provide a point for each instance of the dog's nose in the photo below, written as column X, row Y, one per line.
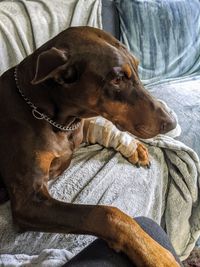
column 168, row 125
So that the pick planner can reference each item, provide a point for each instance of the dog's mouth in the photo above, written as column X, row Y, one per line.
column 119, row 127
column 143, row 132
column 139, row 131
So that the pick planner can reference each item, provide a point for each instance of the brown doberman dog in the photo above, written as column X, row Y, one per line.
column 82, row 72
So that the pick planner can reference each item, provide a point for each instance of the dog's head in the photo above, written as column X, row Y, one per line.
column 94, row 73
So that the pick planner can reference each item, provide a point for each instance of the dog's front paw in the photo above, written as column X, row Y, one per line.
column 140, row 157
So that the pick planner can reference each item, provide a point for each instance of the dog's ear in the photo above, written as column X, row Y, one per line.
column 48, row 63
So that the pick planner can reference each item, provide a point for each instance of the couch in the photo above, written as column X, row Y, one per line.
column 163, row 37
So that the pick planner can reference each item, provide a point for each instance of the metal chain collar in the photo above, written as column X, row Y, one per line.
column 41, row 116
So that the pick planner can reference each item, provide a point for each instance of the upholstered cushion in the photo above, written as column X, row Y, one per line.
column 110, row 18
column 163, row 34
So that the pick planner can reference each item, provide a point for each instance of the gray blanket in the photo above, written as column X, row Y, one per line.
column 168, row 190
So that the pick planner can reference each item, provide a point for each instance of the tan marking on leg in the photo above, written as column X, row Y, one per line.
column 44, row 159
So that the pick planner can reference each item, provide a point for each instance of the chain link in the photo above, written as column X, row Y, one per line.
column 41, row 116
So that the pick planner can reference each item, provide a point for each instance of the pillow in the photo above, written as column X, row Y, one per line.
column 164, row 35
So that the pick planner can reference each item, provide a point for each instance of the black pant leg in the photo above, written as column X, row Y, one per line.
column 98, row 254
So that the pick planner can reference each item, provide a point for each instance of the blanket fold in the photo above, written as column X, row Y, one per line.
column 181, row 213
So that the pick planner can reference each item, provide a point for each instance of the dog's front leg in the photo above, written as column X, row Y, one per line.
column 38, row 211
column 101, row 131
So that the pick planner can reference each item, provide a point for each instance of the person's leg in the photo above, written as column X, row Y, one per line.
column 98, row 254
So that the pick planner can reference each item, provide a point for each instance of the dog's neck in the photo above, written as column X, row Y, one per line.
column 39, row 98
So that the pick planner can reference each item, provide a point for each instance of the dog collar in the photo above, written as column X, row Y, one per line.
column 41, row 116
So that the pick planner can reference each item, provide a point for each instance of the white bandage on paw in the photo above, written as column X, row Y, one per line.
column 105, row 133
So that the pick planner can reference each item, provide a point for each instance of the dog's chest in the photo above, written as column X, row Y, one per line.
column 63, row 147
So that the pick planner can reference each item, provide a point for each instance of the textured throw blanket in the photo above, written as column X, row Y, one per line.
column 25, row 25
column 168, row 190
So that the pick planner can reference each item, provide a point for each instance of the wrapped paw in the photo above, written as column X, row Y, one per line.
column 140, row 157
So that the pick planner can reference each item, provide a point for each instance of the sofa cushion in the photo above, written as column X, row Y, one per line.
column 110, row 18
column 163, row 34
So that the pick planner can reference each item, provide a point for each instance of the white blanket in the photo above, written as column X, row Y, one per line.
column 169, row 190
column 26, row 25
